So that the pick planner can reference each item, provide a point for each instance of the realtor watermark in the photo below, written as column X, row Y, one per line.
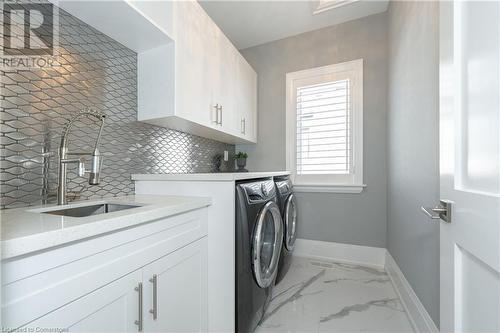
column 34, row 329
column 30, row 35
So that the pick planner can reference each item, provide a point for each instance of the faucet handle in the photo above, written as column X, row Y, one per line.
column 93, row 172
column 81, row 164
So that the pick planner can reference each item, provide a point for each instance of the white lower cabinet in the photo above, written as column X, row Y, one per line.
column 179, row 282
column 150, row 278
column 168, row 295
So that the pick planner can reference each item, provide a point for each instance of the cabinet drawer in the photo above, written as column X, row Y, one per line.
column 35, row 285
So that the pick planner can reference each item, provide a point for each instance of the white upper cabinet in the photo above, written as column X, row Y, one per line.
column 246, row 100
column 210, row 88
column 195, row 63
column 190, row 77
column 225, row 83
column 205, row 70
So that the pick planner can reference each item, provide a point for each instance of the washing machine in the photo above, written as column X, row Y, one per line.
column 259, row 236
column 288, row 207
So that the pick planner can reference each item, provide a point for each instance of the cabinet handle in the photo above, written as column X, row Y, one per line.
column 154, row 310
column 243, row 125
column 139, row 321
column 216, row 107
column 218, row 114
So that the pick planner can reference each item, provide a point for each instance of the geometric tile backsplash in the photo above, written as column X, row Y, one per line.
column 95, row 72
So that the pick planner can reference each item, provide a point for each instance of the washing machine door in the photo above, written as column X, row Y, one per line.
column 267, row 241
column 290, row 217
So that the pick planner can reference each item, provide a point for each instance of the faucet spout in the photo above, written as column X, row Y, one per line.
column 63, row 155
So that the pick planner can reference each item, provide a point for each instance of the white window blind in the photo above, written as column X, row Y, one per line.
column 323, row 129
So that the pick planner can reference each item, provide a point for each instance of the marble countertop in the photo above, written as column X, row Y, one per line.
column 221, row 176
column 28, row 229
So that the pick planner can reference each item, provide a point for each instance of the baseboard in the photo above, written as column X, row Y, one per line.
column 419, row 317
column 363, row 255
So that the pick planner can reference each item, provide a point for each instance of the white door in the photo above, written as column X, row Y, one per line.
column 112, row 308
column 224, row 81
column 195, row 64
column 175, row 293
column 470, row 165
column 246, row 100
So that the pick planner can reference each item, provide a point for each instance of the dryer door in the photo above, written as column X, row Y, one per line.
column 290, row 217
column 267, row 240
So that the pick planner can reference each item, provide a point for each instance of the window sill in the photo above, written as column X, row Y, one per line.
column 333, row 188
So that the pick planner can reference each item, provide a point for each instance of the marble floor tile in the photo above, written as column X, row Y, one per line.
column 321, row 296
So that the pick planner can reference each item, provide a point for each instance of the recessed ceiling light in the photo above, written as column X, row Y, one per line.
column 324, row 5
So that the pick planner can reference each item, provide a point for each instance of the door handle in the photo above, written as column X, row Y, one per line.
column 442, row 211
column 220, row 108
column 139, row 320
column 154, row 310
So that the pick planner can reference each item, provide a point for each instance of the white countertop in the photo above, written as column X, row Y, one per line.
column 26, row 230
column 220, row 176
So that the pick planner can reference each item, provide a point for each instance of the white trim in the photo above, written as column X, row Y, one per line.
column 339, row 252
column 324, row 6
column 419, row 317
column 337, row 188
column 355, row 71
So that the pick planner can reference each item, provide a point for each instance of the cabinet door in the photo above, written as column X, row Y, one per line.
column 195, row 63
column 112, row 308
column 225, row 82
column 180, row 280
column 246, row 100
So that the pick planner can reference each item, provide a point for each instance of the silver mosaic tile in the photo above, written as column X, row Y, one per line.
column 96, row 72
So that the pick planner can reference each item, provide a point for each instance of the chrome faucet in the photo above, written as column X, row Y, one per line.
column 64, row 160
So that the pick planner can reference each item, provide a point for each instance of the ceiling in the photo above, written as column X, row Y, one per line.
column 250, row 23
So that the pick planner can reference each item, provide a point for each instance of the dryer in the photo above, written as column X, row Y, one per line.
column 288, row 208
column 259, row 236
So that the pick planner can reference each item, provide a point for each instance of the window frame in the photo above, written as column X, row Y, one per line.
column 334, row 183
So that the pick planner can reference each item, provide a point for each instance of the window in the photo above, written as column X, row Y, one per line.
column 325, row 128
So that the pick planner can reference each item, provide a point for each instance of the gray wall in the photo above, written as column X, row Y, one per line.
column 347, row 218
column 98, row 72
column 413, row 177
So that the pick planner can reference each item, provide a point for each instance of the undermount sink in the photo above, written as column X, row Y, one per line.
column 95, row 209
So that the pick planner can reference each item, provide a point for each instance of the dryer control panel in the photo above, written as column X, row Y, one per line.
column 259, row 191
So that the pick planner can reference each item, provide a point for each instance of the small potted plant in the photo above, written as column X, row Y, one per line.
column 241, row 161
